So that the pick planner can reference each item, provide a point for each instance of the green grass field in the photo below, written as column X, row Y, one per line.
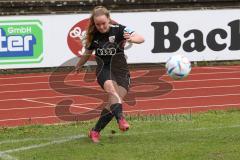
column 205, row 136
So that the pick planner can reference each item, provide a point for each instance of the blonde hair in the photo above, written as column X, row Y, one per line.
column 97, row 11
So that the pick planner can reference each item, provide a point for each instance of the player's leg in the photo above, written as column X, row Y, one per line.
column 123, row 124
column 123, row 81
column 115, row 94
column 120, row 89
column 114, row 99
column 106, row 115
column 111, row 88
column 114, row 108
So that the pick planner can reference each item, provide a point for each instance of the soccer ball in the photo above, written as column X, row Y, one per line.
column 178, row 67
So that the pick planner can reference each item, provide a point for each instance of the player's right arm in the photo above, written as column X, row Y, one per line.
column 84, row 58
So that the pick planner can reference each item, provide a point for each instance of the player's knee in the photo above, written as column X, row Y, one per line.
column 114, row 97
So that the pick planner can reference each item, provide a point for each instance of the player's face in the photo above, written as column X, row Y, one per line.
column 102, row 23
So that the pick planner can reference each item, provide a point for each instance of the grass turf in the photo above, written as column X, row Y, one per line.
column 204, row 136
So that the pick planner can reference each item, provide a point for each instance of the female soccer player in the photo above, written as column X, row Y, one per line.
column 108, row 39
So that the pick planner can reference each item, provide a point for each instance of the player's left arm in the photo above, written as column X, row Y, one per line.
column 133, row 37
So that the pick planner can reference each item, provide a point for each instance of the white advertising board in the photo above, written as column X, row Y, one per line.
column 51, row 40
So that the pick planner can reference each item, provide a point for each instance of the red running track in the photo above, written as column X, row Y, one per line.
column 46, row 98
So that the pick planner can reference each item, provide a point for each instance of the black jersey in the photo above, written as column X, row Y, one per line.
column 109, row 47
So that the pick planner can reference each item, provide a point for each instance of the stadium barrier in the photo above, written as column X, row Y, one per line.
column 48, row 41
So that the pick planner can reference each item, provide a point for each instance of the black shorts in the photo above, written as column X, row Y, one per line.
column 122, row 77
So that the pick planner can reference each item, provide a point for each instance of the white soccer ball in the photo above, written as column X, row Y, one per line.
column 178, row 67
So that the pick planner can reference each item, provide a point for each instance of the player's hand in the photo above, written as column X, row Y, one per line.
column 127, row 36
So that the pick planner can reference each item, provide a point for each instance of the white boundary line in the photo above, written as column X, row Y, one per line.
column 24, row 140
column 67, row 88
column 54, row 105
column 81, row 80
column 158, row 131
column 4, row 154
column 65, row 96
column 41, row 107
column 31, row 99
column 142, row 70
column 67, row 139
column 34, row 101
column 79, row 106
column 128, row 111
column 169, row 98
column 118, row 134
column 26, row 108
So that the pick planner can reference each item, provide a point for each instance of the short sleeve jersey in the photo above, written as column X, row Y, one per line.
column 107, row 45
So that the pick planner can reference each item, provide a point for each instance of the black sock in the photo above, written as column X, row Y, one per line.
column 105, row 118
column 116, row 110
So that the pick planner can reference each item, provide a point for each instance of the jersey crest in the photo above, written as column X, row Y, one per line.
column 111, row 39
